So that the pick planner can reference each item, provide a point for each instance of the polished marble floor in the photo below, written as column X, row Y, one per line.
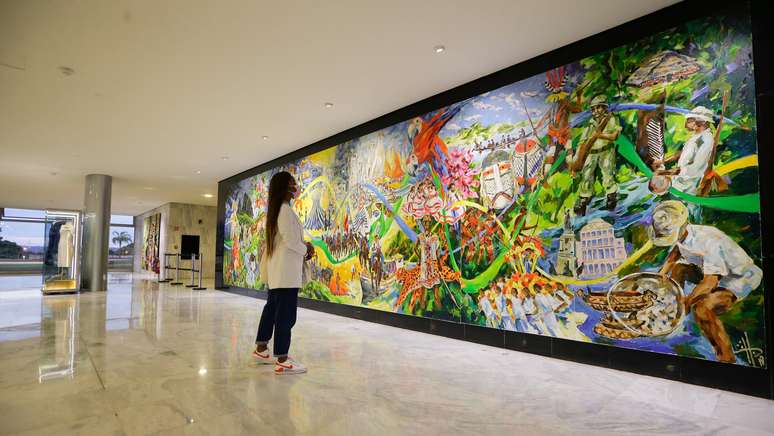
column 144, row 359
column 20, row 282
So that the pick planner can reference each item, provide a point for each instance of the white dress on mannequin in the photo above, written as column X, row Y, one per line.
column 66, row 246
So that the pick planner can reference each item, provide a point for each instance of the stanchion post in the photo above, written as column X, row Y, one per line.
column 193, row 268
column 177, row 271
column 163, row 270
column 200, row 288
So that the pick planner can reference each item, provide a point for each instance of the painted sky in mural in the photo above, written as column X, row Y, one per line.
column 612, row 200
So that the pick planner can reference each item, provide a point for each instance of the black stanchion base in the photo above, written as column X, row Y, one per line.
column 190, row 286
column 199, row 289
column 176, row 283
column 165, row 281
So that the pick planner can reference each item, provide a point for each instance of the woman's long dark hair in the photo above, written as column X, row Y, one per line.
column 278, row 189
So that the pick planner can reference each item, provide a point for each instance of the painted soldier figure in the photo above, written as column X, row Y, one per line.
column 596, row 154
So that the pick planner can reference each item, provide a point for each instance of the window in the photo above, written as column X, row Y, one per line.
column 21, row 246
column 121, row 243
column 122, row 220
column 21, row 241
column 21, row 213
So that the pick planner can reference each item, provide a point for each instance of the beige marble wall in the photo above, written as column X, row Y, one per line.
column 182, row 219
column 189, row 219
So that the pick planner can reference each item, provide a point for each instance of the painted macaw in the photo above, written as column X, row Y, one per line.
column 428, row 146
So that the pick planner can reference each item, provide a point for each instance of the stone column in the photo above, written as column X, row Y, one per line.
column 96, row 231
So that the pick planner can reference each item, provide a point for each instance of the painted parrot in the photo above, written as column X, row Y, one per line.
column 427, row 145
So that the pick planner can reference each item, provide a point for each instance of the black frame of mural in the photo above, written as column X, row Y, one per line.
column 746, row 380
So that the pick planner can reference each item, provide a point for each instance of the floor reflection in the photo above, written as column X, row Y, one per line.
column 149, row 309
column 145, row 358
column 58, row 328
column 20, row 282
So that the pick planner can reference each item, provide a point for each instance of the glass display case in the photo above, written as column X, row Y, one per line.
column 61, row 248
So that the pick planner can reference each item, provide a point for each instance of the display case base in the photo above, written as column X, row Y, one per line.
column 60, row 286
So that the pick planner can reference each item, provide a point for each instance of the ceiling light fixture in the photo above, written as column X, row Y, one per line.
column 207, row 195
column 198, row 172
column 224, row 158
column 328, row 105
column 439, row 49
column 265, row 138
column 66, row 71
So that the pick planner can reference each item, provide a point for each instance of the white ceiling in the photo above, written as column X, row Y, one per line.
column 162, row 89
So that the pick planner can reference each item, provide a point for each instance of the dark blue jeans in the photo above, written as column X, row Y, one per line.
column 279, row 316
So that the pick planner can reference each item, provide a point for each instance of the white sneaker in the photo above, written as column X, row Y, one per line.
column 289, row 366
column 263, row 357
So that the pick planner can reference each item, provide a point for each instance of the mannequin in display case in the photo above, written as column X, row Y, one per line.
column 66, row 246
column 60, row 267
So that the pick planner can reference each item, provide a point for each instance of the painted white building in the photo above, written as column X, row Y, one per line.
column 598, row 249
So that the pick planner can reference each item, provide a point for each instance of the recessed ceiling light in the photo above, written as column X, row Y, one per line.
column 265, row 138
column 54, row 173
column 149, row 188
column 224, row 158
column 202, row 371
column 439, row 49
column 198, row 172
column 328, row 105
column 207, row 195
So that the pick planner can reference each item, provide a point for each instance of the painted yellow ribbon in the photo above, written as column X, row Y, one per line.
column 738, row 164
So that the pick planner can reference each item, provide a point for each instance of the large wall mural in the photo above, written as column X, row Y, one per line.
column 151, row 230
column 611, row 200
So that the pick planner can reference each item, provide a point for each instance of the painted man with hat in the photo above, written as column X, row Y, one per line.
column 596, row 154
column 705, row 256
column 694, row 158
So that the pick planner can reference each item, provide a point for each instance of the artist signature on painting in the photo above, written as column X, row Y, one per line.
column 754, row 355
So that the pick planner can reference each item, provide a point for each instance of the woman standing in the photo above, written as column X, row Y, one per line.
column 286, row 252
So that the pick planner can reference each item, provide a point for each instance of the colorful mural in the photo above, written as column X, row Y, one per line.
column 611, row 200
column 150, row 243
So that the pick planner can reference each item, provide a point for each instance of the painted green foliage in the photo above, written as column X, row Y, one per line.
column 549, row 206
